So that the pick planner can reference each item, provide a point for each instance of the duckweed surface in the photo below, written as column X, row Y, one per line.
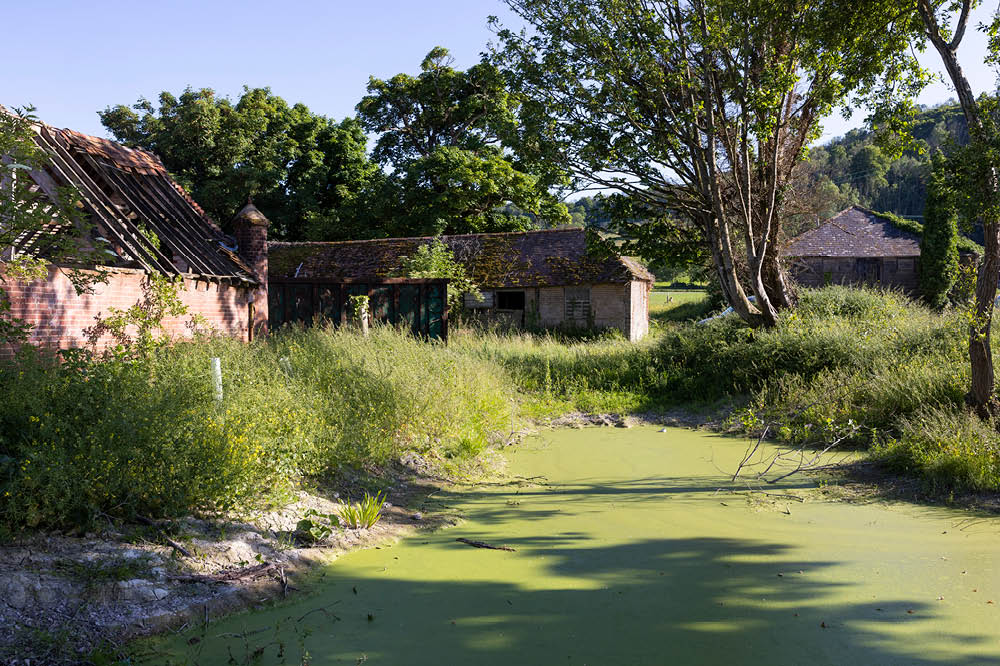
column 631, row 547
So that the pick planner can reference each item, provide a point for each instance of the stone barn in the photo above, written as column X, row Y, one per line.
column 856, row 246
column 143, row 222
column 545, row 279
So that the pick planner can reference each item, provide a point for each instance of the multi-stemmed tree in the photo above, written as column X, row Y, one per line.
column 699, row 110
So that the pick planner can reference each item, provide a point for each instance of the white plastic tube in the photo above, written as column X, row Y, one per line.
column 217, row 377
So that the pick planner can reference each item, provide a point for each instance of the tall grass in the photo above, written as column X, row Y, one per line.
column 146, row 437
column 873, row 365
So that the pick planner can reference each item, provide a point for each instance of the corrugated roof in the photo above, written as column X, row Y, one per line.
column 550, row 257
column 147, row 218
column 855, row 232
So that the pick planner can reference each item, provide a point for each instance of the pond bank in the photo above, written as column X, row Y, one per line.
column 632, row 546
column 67, row 598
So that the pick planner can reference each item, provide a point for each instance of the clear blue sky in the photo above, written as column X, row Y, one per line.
column 84, row 56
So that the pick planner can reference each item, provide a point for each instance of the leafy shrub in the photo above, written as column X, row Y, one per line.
column 145, row 436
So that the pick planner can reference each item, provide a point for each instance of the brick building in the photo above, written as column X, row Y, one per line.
column 856, row 246
column 546, row 278
column 145, row 223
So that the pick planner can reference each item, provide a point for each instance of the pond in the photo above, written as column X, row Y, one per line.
column 631, row 547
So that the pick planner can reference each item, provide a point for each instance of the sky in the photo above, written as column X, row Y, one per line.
column 84, row 56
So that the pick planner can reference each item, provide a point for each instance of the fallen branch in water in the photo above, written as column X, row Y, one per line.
column 483, row 544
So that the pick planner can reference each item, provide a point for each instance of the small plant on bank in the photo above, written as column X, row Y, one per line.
column 316, row 527
column 367, row 512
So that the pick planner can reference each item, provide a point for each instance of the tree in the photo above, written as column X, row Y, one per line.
column 447, row 136
column 311, row 175
column 939, row 242
column 698, row 110
column 978, row 166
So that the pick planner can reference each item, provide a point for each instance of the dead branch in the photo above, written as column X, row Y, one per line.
column 483, row 544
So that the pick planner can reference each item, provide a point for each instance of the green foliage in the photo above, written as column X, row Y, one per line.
column 309, row 174
column 365, row 514
column 848, row 170
column 446, row 134
column 358, row 306
column 315, row 526
column 138, row 330
column 436, row 260
column 939, row 242
column 143, row 436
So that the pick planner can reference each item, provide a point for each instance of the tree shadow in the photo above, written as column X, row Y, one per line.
column 673, row 600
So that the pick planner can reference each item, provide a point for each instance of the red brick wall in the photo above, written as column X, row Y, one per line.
column 59, row 316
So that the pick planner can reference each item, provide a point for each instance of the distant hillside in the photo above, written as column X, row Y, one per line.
column 853, row 170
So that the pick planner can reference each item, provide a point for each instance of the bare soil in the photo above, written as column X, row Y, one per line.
column 70, row 599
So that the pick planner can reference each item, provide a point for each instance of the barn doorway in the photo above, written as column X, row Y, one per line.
column 868, row 271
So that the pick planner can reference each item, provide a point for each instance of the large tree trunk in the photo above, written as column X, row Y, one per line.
column 725, row 268
column 981, row 396
column 776, row 284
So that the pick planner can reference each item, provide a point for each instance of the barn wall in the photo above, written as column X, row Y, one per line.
column 638, row 325
column 59, row 316
column 609, row 304
column 551, row 306
column 621, row 306
column 895, row 272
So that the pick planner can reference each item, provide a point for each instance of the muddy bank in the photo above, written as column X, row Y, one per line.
column 65, row 598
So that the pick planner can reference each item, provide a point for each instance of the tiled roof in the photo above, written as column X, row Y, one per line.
column 147, row 218
column 518, row 259
column 855, row 232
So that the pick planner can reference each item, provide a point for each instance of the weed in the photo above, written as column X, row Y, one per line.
column 367, row 512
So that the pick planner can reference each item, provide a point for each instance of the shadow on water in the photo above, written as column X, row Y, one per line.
column 594, row 580
column 681, row 601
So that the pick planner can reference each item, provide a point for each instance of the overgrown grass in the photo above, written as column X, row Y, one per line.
column 872, row 367
column 146, row 436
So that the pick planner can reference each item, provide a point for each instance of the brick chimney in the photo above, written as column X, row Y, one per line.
column 250, row 229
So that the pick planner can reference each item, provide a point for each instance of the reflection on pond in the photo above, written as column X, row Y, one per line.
column 631, row 547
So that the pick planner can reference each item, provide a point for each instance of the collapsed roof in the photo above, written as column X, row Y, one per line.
column 146, row 219
column 551, row 257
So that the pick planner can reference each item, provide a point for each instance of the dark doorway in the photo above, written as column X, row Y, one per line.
column 869, row 270
column 510, row 300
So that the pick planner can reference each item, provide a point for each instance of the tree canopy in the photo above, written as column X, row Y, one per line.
column 308, row 173
column 450, row 139
column 698, row 110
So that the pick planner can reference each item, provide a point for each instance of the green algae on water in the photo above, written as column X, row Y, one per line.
column 631, row 547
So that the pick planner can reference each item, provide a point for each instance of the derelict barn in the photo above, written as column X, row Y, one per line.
column 547, row 278
column 142, row 222
column 856, row 246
